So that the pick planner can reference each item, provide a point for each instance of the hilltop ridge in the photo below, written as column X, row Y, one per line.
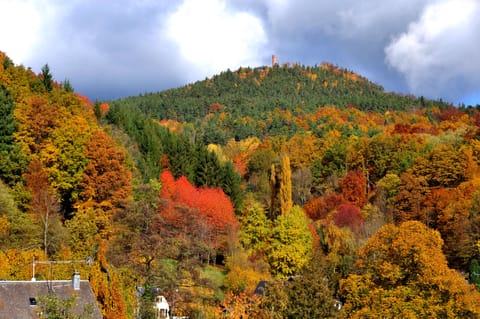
column 253, row 101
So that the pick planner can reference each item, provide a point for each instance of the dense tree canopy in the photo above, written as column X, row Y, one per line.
column 402, row 272
column 199, row 193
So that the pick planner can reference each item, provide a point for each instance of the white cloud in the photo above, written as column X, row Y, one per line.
column 213, row 38
column 438, row 55
column 30, row 27
column 20, row 24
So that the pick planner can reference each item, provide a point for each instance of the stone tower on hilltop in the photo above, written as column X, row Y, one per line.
column 274, row 60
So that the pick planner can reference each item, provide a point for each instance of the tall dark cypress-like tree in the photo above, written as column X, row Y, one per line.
column 7, row 122
column 96, row 109
column 181, row 155
column 67, row 86
column 12, row 161
column 231, row 185
column 207, row 167
column 474, row 275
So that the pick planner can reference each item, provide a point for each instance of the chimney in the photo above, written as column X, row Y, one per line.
column 76, row 281
column 274, row 60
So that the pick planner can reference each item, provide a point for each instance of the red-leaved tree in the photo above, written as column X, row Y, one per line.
column 201, row 214
column 348, row 215
column 320, row 207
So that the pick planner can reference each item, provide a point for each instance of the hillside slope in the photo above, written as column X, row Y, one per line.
column 254, row 102
column 381, row 206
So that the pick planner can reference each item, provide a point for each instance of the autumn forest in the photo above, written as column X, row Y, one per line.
column 271, row 192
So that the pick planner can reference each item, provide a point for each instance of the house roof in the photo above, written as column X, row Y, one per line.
column 260, row 289
column 16, row 297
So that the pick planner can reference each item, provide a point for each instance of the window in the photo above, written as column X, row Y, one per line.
column 33, row 301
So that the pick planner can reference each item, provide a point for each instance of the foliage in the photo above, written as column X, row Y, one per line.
column 320, row 207
column 308, row 295
column 160, row 148
column 285, row 188
column 47, row 78
column 474, row 274
column 410, row 200
column 339, row 247
column 12, row 162
column 106, row 182
column 44, row 205
column 239, row 305
column 17, row 228
column 16, row 263
column 44, row 143
column 442, row 166
column 255, row 229
column 348, row 215
column 244, row 274
column 291, row 243
column 209, row 212
column 160, row 211
column 354, row 187
column 64, row 157
column 268, row 101
column 54, row 307
column 403, row 272
column 138, row 244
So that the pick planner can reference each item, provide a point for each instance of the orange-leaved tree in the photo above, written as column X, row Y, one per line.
column 411, row 199
column 44, row 205
column 37, row 118
column 354, row 187
column 106, row 181
column 320, row 207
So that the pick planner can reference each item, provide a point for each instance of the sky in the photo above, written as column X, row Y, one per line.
column 113, row 49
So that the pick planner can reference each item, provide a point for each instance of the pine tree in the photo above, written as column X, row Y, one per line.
column 7, row 122
column 474, row 275
column 231, row 184
column 12, row 161
column 47, row 78
column 67, row 86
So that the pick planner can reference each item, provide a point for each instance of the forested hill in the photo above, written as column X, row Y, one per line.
column 257, row 102
column 318, row 177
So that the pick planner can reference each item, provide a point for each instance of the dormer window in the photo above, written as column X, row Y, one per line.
column 33, row 301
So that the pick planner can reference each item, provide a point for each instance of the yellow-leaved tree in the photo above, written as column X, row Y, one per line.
column 402, row 273
column 285, row 191
column 291, row 243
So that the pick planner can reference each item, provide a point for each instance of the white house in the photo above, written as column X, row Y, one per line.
column 162, row 309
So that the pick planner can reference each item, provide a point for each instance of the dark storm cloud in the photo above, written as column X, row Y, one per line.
column 374, row 38
column 111, row 50
column 351, row 34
